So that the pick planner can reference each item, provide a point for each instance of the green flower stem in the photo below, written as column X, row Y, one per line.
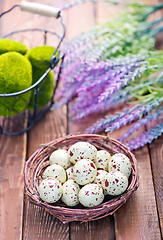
column 151, row 24
column 156, row 31
column 157, row 7
column 148, row 26
column 154, row 9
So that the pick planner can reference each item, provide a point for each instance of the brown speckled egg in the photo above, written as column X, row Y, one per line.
column 70, row 174
column 91, row 195
column 114, row 183
column 102, row 160
column 50, row 190
column 55, row 171
column 81, row 150
column 84, row 171
column 60, row 157
column 70, row 193
column 99, row 176
column 120, row 162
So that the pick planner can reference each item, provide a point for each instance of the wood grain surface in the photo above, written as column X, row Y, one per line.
column 141, row 218
column 139, row 214
column 156, row 156
column 38, row 224
column 12, row 158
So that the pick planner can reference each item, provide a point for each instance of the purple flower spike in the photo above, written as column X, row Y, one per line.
column 145, row 138
column 140, row 123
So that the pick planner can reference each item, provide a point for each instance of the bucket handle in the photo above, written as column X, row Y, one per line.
column 40, row 9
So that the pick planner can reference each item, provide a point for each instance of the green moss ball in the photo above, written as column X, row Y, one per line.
column 8, row 45
column 40, row 57
column 15, row 76
column 46, row 88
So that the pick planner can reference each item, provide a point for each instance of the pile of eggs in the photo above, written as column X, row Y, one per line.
column 83, row 174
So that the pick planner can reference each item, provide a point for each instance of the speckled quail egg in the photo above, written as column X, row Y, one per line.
column 55, row 171
column 60, row 156
column 114, row 183
column 69, row 172
column 70, row 193
column 84, row 171
column 99, row 176
column 81, row 150
column 50, row 190
column 120, row 162
column 91, row 195
column 102, row 159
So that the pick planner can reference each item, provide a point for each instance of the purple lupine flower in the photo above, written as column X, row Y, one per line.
column 81, row 109
column 113, row 122
column 140, row 123
column 118, row 83
column 146, row 137
column 96, row 84
column 67, row 96
column 102, row 124
column 68, row 79
column 93, row 78
column 88, row 104
column 81, row 45
column 136, row 112
column 118, row 98
column 78, row 71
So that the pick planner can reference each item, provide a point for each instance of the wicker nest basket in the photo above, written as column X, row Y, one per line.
column 37, row 163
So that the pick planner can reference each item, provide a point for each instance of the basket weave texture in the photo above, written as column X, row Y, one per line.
column 37, row 163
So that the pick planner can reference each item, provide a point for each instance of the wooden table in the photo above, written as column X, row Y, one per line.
column 141, row 218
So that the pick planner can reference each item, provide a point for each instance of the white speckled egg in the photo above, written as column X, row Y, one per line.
column 70, row 174
column 84, row 171
column 99, row 176
column 60, row 156
column 81, row 150
column 120, row 162
column 114, row 183
column 50, row 190
column 70, row 193
column 91, row 195
column 102, row 160
column 55, row 171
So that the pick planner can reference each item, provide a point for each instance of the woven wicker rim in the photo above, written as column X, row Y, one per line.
column 39, row 160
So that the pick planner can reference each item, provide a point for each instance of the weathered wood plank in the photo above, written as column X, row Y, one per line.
column 39, row 224
column 138, row 218
column 79, row 19
column 12, row 158
column 156, row 155
column 100, row 229
column 107, row 11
